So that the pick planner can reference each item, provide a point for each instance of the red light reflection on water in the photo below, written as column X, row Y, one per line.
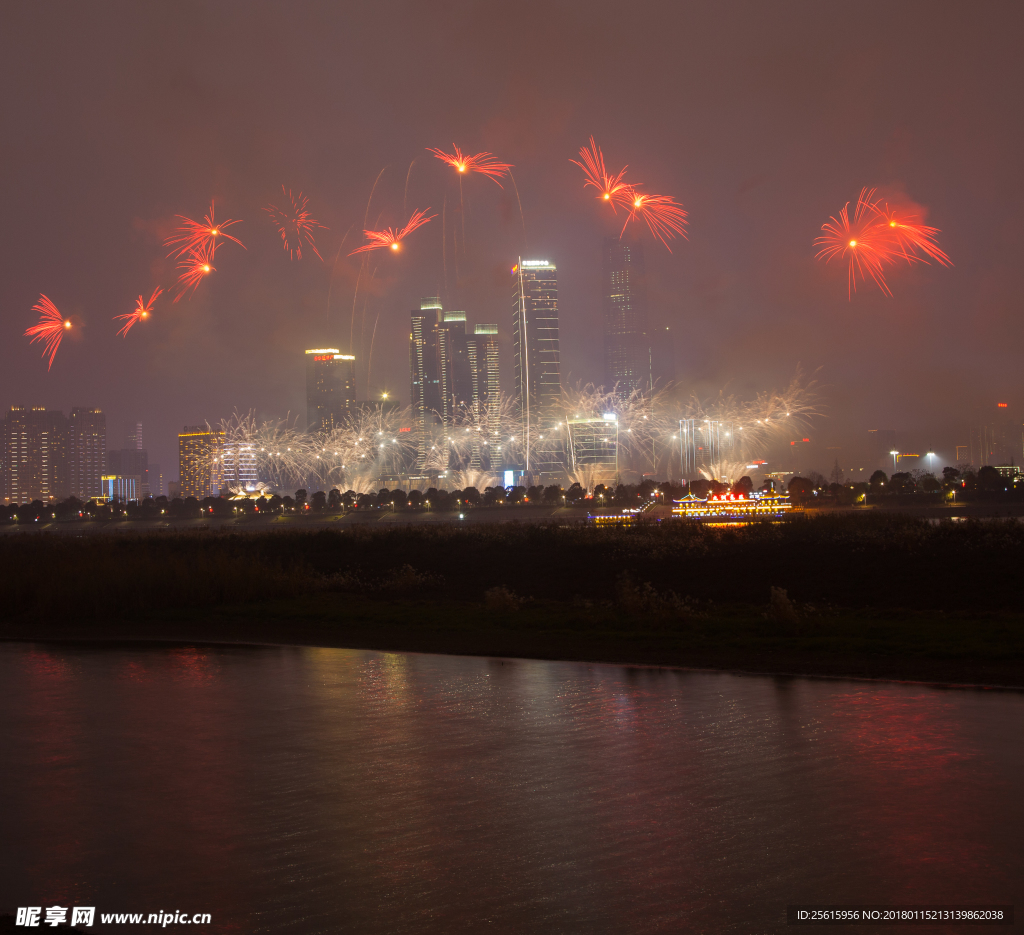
column 910, row 754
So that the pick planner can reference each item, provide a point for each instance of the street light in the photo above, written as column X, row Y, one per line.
column 895, row 457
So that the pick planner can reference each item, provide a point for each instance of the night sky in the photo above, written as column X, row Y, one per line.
column 763, row 119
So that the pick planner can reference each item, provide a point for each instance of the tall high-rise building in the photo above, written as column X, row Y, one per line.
column 997, row 439
column 330, row 388
column 440, row 373
column 455, row 363
column 87, row 452
column 538, row 380
column 485, row 398
column 200, row 452
column 482, row 349
column 627, row 345
column 35, row 465
column 427, row 390
column 133, row 437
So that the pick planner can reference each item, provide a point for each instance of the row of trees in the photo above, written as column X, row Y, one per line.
column 335, row 501
column 956, row 482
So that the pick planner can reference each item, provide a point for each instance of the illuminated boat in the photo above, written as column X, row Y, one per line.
column 732, row 506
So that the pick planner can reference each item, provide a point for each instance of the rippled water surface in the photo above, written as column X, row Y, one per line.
column 324, row 790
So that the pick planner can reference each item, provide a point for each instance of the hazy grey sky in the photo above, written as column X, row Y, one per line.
column 763, row 119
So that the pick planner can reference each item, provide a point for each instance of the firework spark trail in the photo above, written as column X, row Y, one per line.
column 664, row 216
column 142, row 310
column 480, row 441
column 864, row 242
column 876, row 236
column 519, row 201
column 481, row 163
column 389, row 237
column 610, row 187
column 913, row 240
column 365, row 445
column 295, row 224
column 51, row 328
column 191, row 236
column 193, row 267
column 650, row 420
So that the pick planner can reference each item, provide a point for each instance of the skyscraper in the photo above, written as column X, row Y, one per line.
column 133, row 437
column 330, row 388
column 998, row 439
column 538, row 382
column 482, row 351
column 426, row 376
column 458, row 372
column 627, row 346
column 440, row 372
column 35, row 465
column 200, row 450
column 87, row 452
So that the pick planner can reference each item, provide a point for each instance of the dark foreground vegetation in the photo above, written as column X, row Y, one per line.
column 875, row 594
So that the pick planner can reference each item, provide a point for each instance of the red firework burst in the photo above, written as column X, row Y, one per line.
column 914, row 241
column 865, row 242
column 378, row 240
column 295, row 224
column 190, row 235
column 194, row 267
column 664, row 216
column 481, row 163
column 141, row 312
column 51, row 328
column 611, row 188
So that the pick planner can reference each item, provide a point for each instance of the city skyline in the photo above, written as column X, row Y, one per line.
column 738, row 306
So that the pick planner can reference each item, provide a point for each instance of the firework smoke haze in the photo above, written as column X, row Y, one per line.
column 51, row 328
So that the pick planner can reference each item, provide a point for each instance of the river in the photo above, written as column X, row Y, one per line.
column 294, row 789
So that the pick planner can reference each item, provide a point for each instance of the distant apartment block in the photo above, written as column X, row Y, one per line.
column 200, row 453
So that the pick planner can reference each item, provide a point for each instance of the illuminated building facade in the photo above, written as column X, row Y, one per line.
column 35, row 464
column 122, row 487
column 593, row 448
column 330, row 388
column 200, row 453
column 482, row 351
column 536, row 358
column 441, row 371
column 627, row 346
column 705, row 445
column 130, row 462
column 238, row 467
column 87, row 452
column 427, row 384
